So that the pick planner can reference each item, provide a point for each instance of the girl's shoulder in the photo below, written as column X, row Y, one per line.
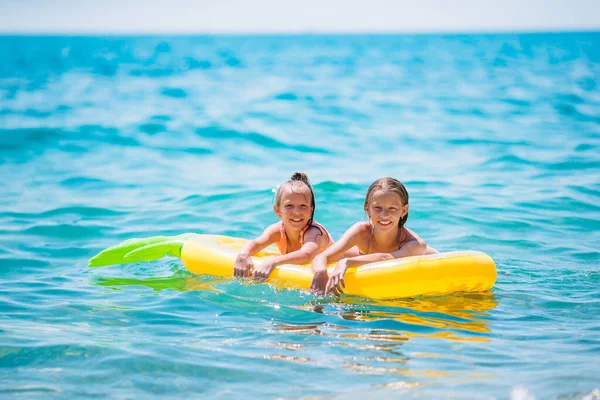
column 412, row 236
column 273, row 230
column 274, row 227
column 361, row 229
column 316, row 230
column 316, row 226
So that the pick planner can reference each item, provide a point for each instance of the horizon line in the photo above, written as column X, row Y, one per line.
column 424, row 32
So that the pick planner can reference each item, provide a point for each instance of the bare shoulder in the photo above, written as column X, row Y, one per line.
column 361, row 228
column 412, row 236
column 273, row 227
column 273, row 231
column 416, row 238
column 358, row 234
column 316, row 234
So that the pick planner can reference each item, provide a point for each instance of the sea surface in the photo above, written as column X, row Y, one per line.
column 102, row 139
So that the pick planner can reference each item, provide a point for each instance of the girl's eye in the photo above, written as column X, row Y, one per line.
column 377, row 208
column 304, row 206
column 393, row 209
column 288, row 206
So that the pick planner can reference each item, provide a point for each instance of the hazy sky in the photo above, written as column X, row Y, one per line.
column 267, row 16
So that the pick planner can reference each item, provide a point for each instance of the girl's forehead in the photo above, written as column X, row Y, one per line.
column 290, row 193
column 385, row 195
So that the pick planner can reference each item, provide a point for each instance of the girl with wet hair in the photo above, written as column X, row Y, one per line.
column 298, row 237
column 382, row 237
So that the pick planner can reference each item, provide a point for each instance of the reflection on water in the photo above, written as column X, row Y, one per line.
column 377, row 336
column 367, row 369
column 402, row 385
column 378, row 332
column 307, row 329
column 461, row 316
column 456, row 305
column 181, row 281
column 458, row 316
column 288, row 358
column 364, row 336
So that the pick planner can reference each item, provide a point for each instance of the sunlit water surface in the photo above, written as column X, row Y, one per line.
column 497, row 139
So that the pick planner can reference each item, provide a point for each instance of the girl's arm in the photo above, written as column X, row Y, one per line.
column 314, row 239
column 422, row 245
column 243, row 262
column 410, row 248
column 349, row 239
column 414, row 246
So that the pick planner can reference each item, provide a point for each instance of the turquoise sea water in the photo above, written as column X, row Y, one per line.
column 497, row 138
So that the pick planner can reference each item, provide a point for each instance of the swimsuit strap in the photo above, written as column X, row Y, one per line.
column 282, row 243
column 400, row 238
column 371, row 237
column 371, row 229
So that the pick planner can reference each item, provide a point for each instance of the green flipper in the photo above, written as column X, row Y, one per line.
column 140, row 250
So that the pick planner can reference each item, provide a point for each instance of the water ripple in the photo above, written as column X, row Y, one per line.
column 108, row 138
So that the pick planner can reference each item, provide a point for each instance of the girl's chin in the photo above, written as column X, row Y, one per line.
column 296, row 225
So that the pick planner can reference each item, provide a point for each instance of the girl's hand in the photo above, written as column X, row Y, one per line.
column 243, row 266
column 263, row 271
column 336, row 280
column 319, row 281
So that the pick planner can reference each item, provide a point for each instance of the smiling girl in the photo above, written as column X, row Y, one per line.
column 382, row 237
column 298, row 237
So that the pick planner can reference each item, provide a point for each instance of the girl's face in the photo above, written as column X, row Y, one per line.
column 385, row 209
column 294, row 208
